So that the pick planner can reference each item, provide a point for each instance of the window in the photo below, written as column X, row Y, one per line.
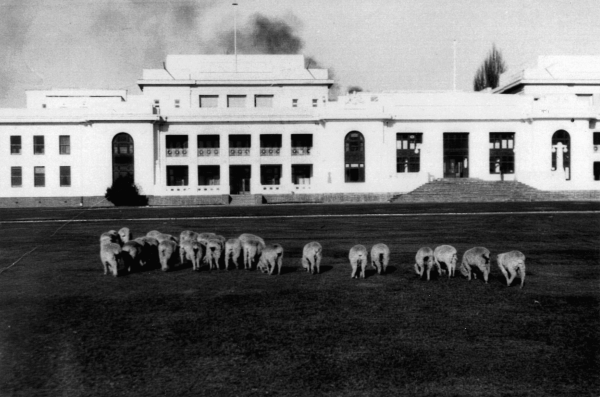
column 177, row 175
column 596, row 142
column 408, row 152
column 64, row 142
column 502, row 155
column 15, row 144
column 561, row 153
column 263, row 101
column 294, row 103
column 270, row 174
column 209, row 101
column 176, row 103
column 39, row 176
column 16, row 176
column 239, row 145
column 236, row 101
column 122, row 158
column 38, row 144
column 177, row 145
column 270, row 144
column 301, row 174
column 596, row 170
column 315, row 102
column 301, row 144
column 157, row 103
column 209, row 175
column 354, row 157
column 65, row 175
column 208, row 145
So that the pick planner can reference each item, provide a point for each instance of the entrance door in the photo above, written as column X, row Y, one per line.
column 239, row 179
column 456, row 155
column 122, row 156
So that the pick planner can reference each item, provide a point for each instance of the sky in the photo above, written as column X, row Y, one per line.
column 378, row 45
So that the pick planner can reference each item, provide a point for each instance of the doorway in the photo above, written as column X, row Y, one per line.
column 239, row 179
column 456, row 155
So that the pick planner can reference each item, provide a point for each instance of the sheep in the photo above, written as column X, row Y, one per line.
column 153, row 233
column 271, row 257
column 512, row 262
column 204, row 237
column 380, row 257
column 164, row 236
column 132, row 254
column 149, row 250
column 312, row 254
column 358, row 257
column 125, row 234
column 187, row 235
column 233, row 250
column 110, row 237
column 252, row 248
column 446, row 254
column 192, row 250
column 479, row 257
column 110, row 256
column 424, row 258
column 166, row 250
column 214, row 249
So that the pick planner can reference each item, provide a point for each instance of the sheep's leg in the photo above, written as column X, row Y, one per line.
column 279, row 264
column 354, row 268
column 513, row 274
column 317, row 262
column 363, row 268
column 522, row 274
column 428, row 272
column 417, row 270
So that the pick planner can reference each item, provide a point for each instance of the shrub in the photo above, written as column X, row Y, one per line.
column 123, row 192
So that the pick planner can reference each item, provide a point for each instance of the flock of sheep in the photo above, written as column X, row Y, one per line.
column 120, row 252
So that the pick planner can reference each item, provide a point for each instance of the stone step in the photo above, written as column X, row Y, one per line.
column 245, row 199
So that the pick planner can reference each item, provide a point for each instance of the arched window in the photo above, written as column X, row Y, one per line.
column 561, row 152
column 122, row 156
column 354, row 157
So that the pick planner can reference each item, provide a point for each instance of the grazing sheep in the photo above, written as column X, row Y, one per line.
column 153, row 233
column 358, row 257
column 192, row 250
column 311, row 257
column 447, row 255
column 132, row 254
column 149, row 255
column 163, row 237
column 110, row 237
column 380, row 257
column 271, row 257
column 166, row 251
column 476, row 257
column 110, row 256
column 188, row 235
column 204, row 237
column 424, row 258
column 214, row 249
column 233, row 250
column 125, row 234
column 512, row 262
column 252, row 248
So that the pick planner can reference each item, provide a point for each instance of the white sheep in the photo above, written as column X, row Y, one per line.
column 132, row 254
column 380, row 257
column 110, row 256
column 192, row 250
column 358, row 257
column 214, row 250
column 447, row 255
column 233, row 250
column 187, row 235
column 512, row 262
column 110, row 237
column 204, row 237
column 271, row 257
column 252, row 248
column 166, row 251
column 425, row 259
column 476, row 257
column 312, row 254
column 125, row 234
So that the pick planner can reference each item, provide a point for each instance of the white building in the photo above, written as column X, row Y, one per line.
column 209, row 128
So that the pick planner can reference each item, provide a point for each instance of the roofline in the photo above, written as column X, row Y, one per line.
column 229, row 83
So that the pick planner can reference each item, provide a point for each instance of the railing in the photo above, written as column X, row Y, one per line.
column 204, row 152
column 177, row 152
column 301, row 150
column 270, row 151
column 245, row 151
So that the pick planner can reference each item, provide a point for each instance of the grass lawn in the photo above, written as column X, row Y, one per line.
column 68, row 330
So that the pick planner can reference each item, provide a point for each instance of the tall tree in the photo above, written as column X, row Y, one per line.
column 488, row 74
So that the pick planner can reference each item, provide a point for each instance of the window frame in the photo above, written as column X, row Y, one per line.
column 171, row 178
column 39, row 148
column 408, row 159
column 354, row 157
column 208, row 97
column 64, row 177
column 16, row 148
column 276, row 176
column 242, row 98
column 64, row 148
column 14, row 177
column 207, row 175
column 39, row 176
column 502, row 153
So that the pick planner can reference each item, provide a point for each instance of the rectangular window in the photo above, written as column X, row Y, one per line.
column 301, row 174
column 177, row 175
column 65, row 175
column 176, row 103
column 38, row 144
column 236, row 101
column 270, row 144
column 15, row 144
column 270, row 174
column 177, row 145
column 209, row 175
column 209, row 101
column 208, row 145
column 294, row 103
column 39, row 176
column 596, row 141
column 408, row 152
column 239, row 145
column 301, row 144
column 64, row 142
column 502, row 155
column 16, row 176
column 597, row 170
column 355, row 172
column 315, row 102
column 263, row 101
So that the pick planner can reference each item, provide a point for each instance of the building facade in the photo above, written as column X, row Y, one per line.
column 210, row 127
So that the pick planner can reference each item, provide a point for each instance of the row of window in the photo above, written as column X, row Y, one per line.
column 39, row 144
column 39, row 176
column 236, row 101
column 178, row 175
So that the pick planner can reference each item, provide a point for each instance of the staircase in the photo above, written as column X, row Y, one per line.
column 245, row 199
column 477, row 190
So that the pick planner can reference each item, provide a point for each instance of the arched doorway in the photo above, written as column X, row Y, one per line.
column 354, row 157
column 561, row 153
column 122, row 157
